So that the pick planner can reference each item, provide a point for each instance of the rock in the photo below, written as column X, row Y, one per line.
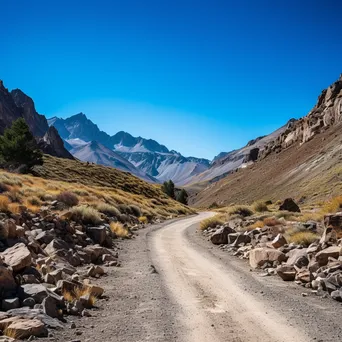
column 279, row 241
column 9, row 304
column 95, row 271
column 260, row 256
column 241, row 239
column 294, row 255
column 24, row 328
column 286, row 272
column 30, row 302
column 6, row 339
column 329, row 237
column 11, row 228
column 7, row 282
column 221, row 235
column 56, row 247
column 337, row 295
column 108, row 258
column 49, row 305
column 290, row 205
column 3, row 231
column 303, row 276
column 323, row 256
column 38, row 292
column 97, row 234
column 96, row 252
column 44, row 237
column 18, row 257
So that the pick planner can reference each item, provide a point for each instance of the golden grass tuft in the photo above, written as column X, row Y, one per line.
column 257, row 224
column 4, row 203
column 260, row 206
column 71, row 296
column 304, row 238
column 211, row 222
column 242, row 210
column 143, row 219
column 271, row 221
column 119, row 230
column 86, row 214
column 332, row 206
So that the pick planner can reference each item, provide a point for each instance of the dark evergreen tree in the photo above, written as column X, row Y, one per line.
column 182, row 197
column 19, row 147
column 169, row 188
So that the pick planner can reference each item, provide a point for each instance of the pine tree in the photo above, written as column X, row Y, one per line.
column 18, row 146
column 169, row 188
column 182, row 197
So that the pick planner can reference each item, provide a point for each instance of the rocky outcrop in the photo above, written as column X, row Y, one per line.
column 15, row 105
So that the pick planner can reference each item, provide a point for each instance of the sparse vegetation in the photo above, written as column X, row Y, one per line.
column 332, row 206
column 143, row 219
column 108, row 209
column 4, row 203
column 68, row 198
column 304, row 238
column 242, row 210
column 211, row 222
column 119, row 230
column 271, row 221
column 260, row 206
column 71, row 296
column 86, row 215
column 182, row 197
column 168, row 188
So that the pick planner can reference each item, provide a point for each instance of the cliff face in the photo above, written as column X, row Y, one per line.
column 326, row 113
column 15, row 105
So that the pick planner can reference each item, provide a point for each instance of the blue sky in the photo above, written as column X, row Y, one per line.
column 200, row 77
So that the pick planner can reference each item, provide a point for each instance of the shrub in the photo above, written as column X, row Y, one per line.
column 182, row 197
column 3, row 188
column 135, row 210
column 124, row 209
column 119, row 230
column 4, row 203
column 333, row 206
column 260, row 206
column 242, row 210
column 85, row 214
column 14, row 196
column 108, row 209
column 143, row 219
column 72, row 296
column 211, row 222
column 257, row 224
column 68, row 198
column 304, row 238
column 271, row 221
column 169, row 188
column 33, row 200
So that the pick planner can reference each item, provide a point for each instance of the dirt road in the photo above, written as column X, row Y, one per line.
column 196, row 292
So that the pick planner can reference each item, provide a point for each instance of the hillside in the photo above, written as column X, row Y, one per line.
column 304, row 161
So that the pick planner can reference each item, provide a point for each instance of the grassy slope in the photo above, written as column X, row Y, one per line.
column 312, row 170
column 93, row 184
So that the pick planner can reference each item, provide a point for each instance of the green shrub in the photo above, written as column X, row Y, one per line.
column 86, row 215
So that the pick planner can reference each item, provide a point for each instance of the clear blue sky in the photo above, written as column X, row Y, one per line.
column 200, row 77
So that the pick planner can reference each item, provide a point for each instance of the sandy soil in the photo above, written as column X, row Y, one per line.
column 195, row 292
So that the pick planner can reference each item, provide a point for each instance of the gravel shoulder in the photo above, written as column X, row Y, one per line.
column 196, row 292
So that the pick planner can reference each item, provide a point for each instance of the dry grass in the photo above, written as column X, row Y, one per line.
column 271, row 221
column 143, row 219
column 12, row 333
column 304, row 238
column 108, row 209
column 86, row 215
column 257, row 224
column 119, row 230
column 71, row 296
column 241, row 210
column 68, row 198
column 211, row 222
column 4, row 203
column 260, row 206
column 332, row 206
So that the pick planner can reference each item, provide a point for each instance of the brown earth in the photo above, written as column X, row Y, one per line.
column 311, row 172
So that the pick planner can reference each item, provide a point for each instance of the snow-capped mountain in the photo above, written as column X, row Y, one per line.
column 147, row 156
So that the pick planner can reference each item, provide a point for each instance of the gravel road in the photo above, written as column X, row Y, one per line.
column 195, row 292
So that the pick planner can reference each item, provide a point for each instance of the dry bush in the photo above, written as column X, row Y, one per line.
column 14, row 195
column 271, row 221
column 86, row 215
column 108, row 209
column 333, row 206
column 257, row 224
column 34, row 200
column 119, row 230
column 312, row 216
column 242, row 210
column 260, row 206
column 68, row 198
column 143, row 219
column 211, row 222
column 4, row 203
column 72, row 296
column 135, row 210
column 4, row 187
column 304, row 238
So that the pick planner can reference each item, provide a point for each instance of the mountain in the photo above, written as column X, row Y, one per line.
column 16, row 104
column 303, row 160
column 146, row 155
column 97, row 153
column 227, row 162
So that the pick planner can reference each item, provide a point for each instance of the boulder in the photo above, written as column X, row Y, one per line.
column 23, row 328
column 3, row 231
column 286, row 272
column 97, row 234
column 56, row 247
column 45, row 237
column 7, row 282
column 241, row 239
column 279, row 241
column 259, row 256
column 18, row 257
column 221, row 235
column 323, row 256
column 38, row 292
column 303, row 275
column 294, row 255
column 11, row 228
column 49, row 306
column 96, row 251
column 10, row 303
column 290, row 205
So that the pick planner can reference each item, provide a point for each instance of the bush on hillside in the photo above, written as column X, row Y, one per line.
column 260, row 206
column 182, row 197
column 18, row 147
column 211, row 222
column 68, row 198
column 242, row 210
column 86, row 215
column 169, row 188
